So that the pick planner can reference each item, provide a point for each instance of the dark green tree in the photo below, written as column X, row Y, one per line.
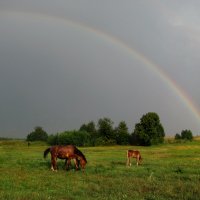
column 106, row 131
column 37, row 135
column 122, row 135
column 78, row 138
column 83, row 127
column 91, row 129
column 53, row 139
column 177, row 136
column 186, row 135
column 149, row 131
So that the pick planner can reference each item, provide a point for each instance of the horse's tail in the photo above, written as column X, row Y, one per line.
column 127, row 153
column 46, row 152
column 79, row 153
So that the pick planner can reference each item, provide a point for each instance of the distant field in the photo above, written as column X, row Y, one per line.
column 169, row 171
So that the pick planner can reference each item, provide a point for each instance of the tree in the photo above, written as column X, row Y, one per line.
column 78, row 138
column 149, row 131
column 177, row 136
column 186, row 134
column 37, row 135
column 91, row 129
column 122, row 135
column 105, row 130
column 53, row 139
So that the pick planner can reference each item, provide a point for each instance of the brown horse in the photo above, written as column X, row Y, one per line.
column 133, row 154
column 66, row 152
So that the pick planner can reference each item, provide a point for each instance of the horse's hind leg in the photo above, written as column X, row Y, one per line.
column 53, row 164
column 128, row 163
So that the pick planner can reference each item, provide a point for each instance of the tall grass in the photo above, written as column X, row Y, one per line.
column 169, row 171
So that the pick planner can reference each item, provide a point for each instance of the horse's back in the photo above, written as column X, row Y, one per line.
column 66, row 151
column 63, row 152
column 133, row 153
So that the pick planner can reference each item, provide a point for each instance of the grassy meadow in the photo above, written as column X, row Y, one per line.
column 169, row 171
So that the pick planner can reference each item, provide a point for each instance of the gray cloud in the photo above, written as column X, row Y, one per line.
column 59, row 76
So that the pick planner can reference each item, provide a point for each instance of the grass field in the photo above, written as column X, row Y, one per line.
column 169, row 171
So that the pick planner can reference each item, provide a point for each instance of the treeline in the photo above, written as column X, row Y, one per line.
column 94, row 135
column 147, row 132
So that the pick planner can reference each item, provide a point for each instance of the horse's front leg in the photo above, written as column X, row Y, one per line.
column 65, row 165
column 76, row 163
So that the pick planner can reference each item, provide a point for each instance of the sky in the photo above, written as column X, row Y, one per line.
column 64, row 63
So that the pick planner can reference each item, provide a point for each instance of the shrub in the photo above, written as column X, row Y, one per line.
column 78, row 138
column 177, row 136
column 186, row 135
column 100, row 141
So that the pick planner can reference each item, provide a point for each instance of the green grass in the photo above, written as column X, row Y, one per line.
column 169, row 171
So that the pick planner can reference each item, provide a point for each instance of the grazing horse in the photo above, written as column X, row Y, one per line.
column 133, row 154
column 66, row 152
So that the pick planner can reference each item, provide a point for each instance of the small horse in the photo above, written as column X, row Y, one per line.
column 68, row 163
column 133, row 154
column 66, row 152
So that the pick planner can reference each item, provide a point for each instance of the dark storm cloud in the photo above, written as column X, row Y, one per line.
column 59, row 76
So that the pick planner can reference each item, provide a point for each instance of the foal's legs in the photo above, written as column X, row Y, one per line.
column 67, row 163
column 128, row 161
column 76, row 162
column 137, row 160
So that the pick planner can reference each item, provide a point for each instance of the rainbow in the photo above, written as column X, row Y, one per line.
column 184, row 98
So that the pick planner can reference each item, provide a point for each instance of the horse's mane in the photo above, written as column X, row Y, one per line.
column 79, row 153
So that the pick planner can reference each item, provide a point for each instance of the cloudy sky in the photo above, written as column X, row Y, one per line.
column 65, row 62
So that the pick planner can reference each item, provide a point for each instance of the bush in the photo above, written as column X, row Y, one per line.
column 177, row 136
column 186, row 135
column 78, row 138
column 53, row 139
column 100, row 141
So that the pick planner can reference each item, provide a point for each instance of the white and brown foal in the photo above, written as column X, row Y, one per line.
column 133, row 154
